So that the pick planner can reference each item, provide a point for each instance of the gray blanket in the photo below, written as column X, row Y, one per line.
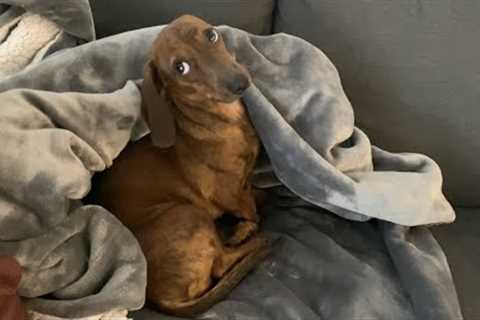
column 70, row 115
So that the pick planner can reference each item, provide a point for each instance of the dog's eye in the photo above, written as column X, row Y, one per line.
column 182, row 67
column 212, row 35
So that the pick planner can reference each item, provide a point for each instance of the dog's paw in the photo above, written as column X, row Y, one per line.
column 243, row 230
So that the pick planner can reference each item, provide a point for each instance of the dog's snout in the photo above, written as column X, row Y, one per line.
column 238, row 84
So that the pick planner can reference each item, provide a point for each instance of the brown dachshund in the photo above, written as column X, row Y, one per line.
column 171, row 187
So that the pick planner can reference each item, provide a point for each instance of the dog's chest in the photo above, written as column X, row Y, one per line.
column 219, row 170
column 235, row 111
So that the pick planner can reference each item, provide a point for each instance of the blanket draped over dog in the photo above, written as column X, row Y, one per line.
column 71, row 114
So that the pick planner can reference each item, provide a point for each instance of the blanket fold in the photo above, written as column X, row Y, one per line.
column 73, row 16
column 306, row 125
column 81, row 256
column 32, row 30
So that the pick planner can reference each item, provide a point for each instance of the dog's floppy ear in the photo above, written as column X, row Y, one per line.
column 157, row 108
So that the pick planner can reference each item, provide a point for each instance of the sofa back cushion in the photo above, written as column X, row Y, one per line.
column 412, row 72
column 115, row 16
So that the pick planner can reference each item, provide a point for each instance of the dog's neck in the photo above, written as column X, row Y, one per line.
column 221, row 131
column 215, row 141
column 228, row 112
column 212, row 122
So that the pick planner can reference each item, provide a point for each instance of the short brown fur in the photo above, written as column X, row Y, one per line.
column 170, row 196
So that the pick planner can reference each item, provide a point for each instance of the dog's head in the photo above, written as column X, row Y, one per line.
column 189, row 65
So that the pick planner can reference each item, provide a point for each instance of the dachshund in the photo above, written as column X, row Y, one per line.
column 170, row 187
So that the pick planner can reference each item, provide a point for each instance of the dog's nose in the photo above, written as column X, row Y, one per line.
column 238, row 85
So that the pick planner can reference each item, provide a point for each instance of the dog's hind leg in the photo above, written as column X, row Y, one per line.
column 180, row 244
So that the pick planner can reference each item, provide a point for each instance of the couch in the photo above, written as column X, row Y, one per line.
column 411, row 64
column 411, row 73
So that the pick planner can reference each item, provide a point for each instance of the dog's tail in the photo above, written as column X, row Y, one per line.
column 223, row 287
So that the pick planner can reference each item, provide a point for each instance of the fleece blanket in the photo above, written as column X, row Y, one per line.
column 31, row 30
column 347, row 217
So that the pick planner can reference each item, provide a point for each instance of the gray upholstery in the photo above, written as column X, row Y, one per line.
column 461, row 243
column 412, row 72
column 115, row 16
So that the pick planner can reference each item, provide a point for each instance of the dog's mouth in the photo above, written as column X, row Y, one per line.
column 234, row 89
column 228, row 97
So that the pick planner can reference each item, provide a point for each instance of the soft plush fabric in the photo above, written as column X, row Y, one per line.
column 60, row 246
column 30, row 31
column 461, row 242
column 73, row 16
column 110, row 315
column 3, row 7
column 53, row 141
column 115, row 16
column 412, row 71
column 20, row 44
column 82, row 257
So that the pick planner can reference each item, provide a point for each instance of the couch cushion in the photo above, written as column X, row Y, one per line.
column 412, row 72
column 115, row 16
column 461, row 243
